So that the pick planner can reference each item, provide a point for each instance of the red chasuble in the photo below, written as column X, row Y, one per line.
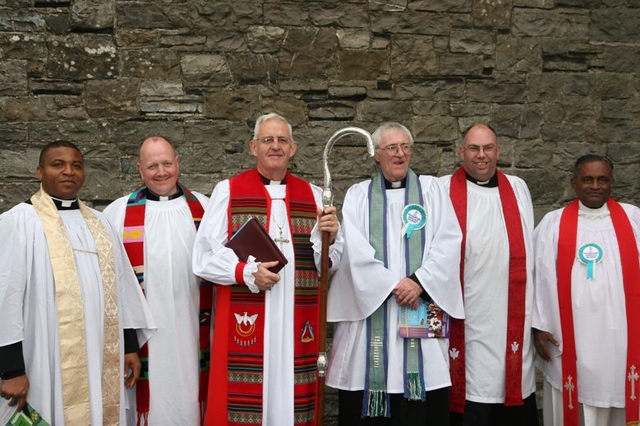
column 567, row 240
column 517, row 293
column 235, row 386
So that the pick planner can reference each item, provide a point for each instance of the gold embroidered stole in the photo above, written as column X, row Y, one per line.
column 70, row 313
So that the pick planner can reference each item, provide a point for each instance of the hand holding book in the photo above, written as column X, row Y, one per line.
column 253, row 240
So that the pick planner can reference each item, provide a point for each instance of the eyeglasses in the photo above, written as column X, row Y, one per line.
column 474, row 149
column 394, row 149
column 268, row 140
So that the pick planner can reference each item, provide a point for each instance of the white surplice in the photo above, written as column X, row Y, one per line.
column 486, row 292
column 173, row 294
column 599, row 312
column 362, row 284
column 28, row 308
column 213, row 261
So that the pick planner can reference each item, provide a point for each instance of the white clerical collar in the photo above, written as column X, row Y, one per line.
column 589, row 213
column 395, row 185
column 66, row 203
column 151, row 196
column 491, row 183
column 266, row 181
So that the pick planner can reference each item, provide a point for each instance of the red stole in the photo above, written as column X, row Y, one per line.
column 516, row 301
column 235, row 391
column 133, row 240
column 567, row 240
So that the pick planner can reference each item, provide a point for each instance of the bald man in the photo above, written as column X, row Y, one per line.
column 158, row 223
column 491, row 356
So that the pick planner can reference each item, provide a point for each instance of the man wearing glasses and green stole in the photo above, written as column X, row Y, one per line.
column 393, row 292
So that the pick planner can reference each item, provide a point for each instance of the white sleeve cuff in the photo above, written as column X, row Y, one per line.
column 249, row 269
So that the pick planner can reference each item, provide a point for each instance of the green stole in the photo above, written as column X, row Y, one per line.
column 235, row 386
column 376, row 401
column 70, row 315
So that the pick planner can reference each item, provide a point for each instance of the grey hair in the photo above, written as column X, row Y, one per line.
column 589, row 158
column 267, row 117
column 377, row 135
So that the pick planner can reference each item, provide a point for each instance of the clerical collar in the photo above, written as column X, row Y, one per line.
column 491, row 183
column 61, row 204
column 155, row 197
column 395, row 185
column 268, row 181
column 65, row 204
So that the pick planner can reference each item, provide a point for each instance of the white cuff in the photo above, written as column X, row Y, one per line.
column 249, row 269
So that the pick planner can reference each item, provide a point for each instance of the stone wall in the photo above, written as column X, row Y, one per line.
column 555, row 78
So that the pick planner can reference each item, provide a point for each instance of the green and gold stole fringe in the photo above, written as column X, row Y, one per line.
column 376, row 400
column 235, row 392
column 133, row 239
column 70, row 314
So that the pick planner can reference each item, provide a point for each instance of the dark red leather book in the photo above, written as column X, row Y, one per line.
column 252, row 240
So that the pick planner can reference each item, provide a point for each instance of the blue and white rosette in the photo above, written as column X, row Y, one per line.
column 590, row 254
column 413, row 217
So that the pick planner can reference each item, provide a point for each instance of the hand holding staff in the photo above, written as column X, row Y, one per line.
column 327, row 239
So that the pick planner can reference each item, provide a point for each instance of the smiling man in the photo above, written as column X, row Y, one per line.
column 69, row 302
column 158, row 222
column 264, row 349
column 402, row 250
column 492, row 352
column 587, row 282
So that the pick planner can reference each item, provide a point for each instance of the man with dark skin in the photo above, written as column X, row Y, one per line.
column 586, row 279
column 57, row 255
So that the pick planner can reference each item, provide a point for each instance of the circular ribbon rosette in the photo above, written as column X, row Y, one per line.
column 413, row 217
column 590, row 254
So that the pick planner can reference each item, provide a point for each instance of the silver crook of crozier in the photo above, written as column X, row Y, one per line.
column 327, row 194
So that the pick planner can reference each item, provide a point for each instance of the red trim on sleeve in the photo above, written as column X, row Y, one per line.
column 240, row 273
